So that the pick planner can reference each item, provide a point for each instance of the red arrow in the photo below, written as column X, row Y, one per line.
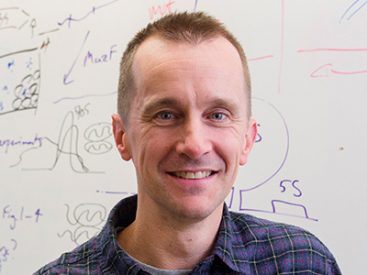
column 327, row 69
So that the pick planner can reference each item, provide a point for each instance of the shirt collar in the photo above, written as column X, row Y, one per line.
column 119, row 218
column 228, row 241
column 124, row 214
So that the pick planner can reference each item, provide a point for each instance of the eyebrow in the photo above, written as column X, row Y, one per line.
column 215, row 102
column 159, row 103
column 229, row 104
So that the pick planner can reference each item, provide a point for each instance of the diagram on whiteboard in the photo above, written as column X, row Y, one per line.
column 249, row 196
column 20, row 69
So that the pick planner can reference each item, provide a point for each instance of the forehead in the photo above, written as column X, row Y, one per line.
column 157, row 53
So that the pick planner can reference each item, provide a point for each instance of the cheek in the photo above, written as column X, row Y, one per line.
column 151, row 148
column 229, row 145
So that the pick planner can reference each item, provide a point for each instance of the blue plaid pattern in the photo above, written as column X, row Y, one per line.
column 245, row 245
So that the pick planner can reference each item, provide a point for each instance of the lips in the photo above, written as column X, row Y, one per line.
column 192, row 175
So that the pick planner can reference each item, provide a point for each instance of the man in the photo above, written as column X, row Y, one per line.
column 184, row 119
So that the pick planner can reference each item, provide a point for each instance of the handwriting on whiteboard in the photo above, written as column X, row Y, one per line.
column 16, row 215
column 161, row 10
column 7, row 143
column 70, row 19
column 6, row 252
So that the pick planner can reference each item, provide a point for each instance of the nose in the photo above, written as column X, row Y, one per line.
column 194, row 139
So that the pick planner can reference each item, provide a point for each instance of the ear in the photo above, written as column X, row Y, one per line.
column 249, row 141
column 119, row 133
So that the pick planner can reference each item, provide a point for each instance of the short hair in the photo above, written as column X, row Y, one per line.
column 185, row 27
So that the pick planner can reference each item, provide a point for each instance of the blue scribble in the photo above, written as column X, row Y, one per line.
column 11, row 64
column 352, row 10
column 283, row 183
column 67, row 75
column 196, row 5
column 34, row 142
column 286, row 151
column 29, row 63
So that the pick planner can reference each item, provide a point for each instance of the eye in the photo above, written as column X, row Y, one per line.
column 218, row 116
column 166, row 118
column 165, row 115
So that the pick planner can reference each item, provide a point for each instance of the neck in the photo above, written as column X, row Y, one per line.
column 170, row 243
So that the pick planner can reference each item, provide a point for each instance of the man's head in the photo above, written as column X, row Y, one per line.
column 188, row 128
column 191, row 28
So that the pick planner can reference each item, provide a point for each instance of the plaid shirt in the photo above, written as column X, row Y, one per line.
column 245, row 245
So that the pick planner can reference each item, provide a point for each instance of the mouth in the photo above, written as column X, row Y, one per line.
column 193, row 175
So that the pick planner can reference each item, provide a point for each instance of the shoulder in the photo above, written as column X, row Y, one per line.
column 284, row 246
column 84, row 259
column 260, row 229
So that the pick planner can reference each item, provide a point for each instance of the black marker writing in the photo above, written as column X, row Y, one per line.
column 67, row 144
column 97, row 136
column 71, row 19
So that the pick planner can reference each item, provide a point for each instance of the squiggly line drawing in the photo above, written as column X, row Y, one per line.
column 97, row 135
column 27, row 92
column 86, row 218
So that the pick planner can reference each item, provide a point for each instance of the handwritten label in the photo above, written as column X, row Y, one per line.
column 92, row 58
column 20, row 215
column 36, row 141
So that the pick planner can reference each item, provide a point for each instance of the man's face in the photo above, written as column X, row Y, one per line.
column 187, row 129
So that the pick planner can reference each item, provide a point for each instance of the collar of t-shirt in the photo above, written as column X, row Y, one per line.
column 158, row 271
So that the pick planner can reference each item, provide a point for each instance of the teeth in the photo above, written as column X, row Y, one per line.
column 193, row 175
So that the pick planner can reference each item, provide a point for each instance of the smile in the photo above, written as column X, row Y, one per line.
column 192, row 175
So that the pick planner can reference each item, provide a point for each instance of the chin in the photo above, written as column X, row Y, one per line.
column 196, row 210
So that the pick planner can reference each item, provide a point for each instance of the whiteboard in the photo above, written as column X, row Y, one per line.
column 60, row 173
